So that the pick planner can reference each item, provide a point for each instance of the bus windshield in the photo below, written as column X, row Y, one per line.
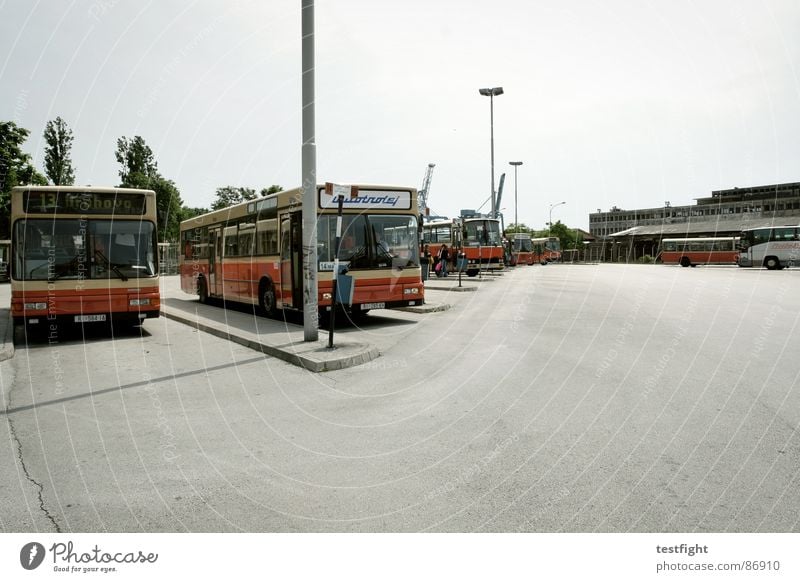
column 370, row 241
column 523, row 245
column 49, row 249
column 482, row 232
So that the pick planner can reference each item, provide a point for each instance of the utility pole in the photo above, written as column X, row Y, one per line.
column 309, row 184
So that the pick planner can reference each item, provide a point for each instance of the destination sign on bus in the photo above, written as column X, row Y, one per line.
column 373, row 199
column 54, row 202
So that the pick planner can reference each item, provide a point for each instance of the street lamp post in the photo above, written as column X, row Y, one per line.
column 550, row 224
column 490, row 93
column 516, row 220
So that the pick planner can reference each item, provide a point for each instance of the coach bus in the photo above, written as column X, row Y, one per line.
column 545, row 250
column 83, row 255
column 690, row 252
column 773, row 247
column 477, row 237
column 521, row 249
column 252, row 252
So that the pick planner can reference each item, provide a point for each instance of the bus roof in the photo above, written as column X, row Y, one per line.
column 100, row 189
column 295, row 194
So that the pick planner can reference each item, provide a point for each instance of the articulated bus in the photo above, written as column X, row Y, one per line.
column 521, row 249
column 82, row 255
column 252, row 252
column 477, row 237
column 773, row 247
column 546, row 250
column 690, row 252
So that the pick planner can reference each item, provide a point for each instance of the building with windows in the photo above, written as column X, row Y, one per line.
column 633, row 233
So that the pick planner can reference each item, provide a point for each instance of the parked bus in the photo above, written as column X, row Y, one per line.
column 690, row 252
column 82, row 255
column 545, row 250
column 773, row 247
column 521, row 249
column 252, row 252
column 477, row 237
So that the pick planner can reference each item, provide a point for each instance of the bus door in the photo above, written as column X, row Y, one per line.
column 292, row 260
column 214, row 254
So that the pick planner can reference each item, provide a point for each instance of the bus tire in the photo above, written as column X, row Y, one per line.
column 772, row 263
column 266, row 298
column 202, row 290
column 685, row 262
column 472, row 272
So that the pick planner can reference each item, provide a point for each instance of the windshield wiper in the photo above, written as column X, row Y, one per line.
column 111, row 266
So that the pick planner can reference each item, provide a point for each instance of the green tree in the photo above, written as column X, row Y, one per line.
column 57, row 160
column 187, row 212
column 274, row 189
column 566, row 236
column 15, row 168
column 139, row 170
column 514, row 228
column 135, row 157
column 229, row 195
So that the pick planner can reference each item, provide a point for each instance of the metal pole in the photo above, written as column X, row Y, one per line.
column 334, row 290
column 491, row 132
column 309, row 184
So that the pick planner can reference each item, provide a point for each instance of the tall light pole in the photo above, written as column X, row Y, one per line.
column 516, row 165
column 309, row 184
column 550, row 224
column 490, row 93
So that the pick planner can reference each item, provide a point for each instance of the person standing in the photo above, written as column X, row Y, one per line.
column 427, row 262
column 444, row 254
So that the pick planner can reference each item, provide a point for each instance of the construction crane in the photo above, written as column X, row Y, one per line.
column 422, row 194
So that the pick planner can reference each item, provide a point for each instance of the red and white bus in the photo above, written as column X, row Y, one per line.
column 773, row 247
column 82, row 255
column 477, row 237
column 545, row 250
column 690, row 252
column 521, row 249
column 252, row 252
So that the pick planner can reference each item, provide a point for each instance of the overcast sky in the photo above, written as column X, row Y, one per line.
column 607, row 102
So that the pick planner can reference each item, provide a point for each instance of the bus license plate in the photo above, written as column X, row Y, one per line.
column 90, row 318
column 372, row 306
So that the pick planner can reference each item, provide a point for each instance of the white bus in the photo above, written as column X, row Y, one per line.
column 773, row 247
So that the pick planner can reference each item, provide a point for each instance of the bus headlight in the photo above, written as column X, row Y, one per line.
column 327, row 296
column 411, row 291
column 139, row 302
column 33, row 306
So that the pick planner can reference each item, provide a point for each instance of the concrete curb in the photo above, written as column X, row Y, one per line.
column 455, row 289
column 7, row 335
column 427, row 308
column 314, row 357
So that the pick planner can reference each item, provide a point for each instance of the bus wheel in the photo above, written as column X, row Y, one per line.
column 772, row 263
column 266, row 298
column 472, row 272
column 685, row 262
column 202, row 291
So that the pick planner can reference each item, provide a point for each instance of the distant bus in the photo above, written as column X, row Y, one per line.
column 253, row 253
column 83, row 255
column 773, row 247
column 477, row 237
column 521, row 249
column 545, row 250
column 690, row 252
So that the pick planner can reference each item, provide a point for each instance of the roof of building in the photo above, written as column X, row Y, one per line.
column 705, row 227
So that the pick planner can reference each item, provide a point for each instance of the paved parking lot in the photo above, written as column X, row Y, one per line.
column 558, row 398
